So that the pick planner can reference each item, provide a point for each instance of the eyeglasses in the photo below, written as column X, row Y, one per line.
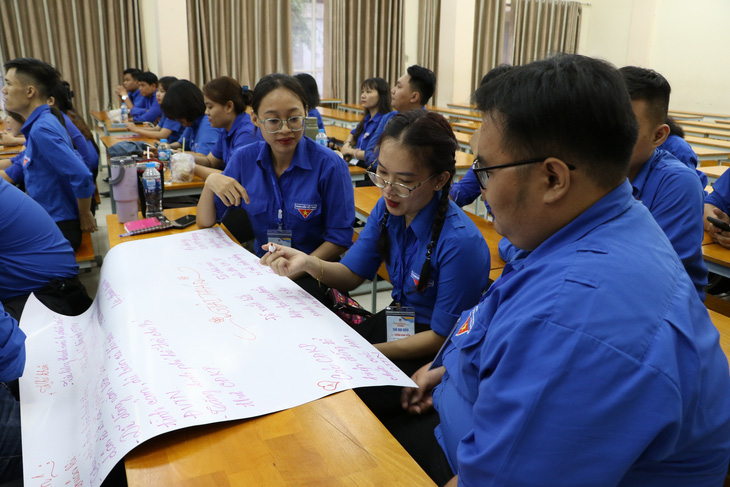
column 400, row 189
column 482, row 172
column 274, row 125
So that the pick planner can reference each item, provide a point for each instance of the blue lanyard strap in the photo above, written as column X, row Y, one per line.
column 279, row 198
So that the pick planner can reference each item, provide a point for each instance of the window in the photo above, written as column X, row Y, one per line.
column 308, row 38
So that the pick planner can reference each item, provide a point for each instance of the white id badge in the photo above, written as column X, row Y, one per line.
column 401, row 322
column 279, row 236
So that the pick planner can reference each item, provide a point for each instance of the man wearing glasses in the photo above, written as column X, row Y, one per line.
column 592, row 361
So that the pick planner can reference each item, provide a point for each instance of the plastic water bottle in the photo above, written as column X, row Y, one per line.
column 163, row 154
column 152, row 184
column 125, row 113
column 321, row 138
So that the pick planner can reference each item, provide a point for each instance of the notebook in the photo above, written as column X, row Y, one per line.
column 147, row 225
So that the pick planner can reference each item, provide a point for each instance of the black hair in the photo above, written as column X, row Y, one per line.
column 651, row 87
column 271, row 82
column 430, row 141
column 674, row 127
column 15, row 116
column 224, row 89
column 423, row 81
column 183, row 101
column 62, row 101
column 309, row 84
column 384, row 106
column 134, row 72
column 165, row 82
column 37, row 73
column 147, row 77
column 568, row 106
column 494, row 72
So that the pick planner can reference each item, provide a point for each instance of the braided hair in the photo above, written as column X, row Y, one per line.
column 431, row 141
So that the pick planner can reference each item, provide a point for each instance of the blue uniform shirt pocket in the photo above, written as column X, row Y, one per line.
column 305, row 211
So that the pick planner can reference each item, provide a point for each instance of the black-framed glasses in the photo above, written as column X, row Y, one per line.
column 400, row 189
column 274, row 125
column 482, row 173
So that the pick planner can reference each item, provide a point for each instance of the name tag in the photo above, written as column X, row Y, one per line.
column 401, row 322
column 279, row 236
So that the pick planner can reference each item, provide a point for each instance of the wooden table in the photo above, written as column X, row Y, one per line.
column 339, row 117
column 709, row 153
column 462, row 106
column 722, row 323
column 456, row 113
column 723, row 134
column 707, row 142
column 713, row 172
column 352, row 107
column 708, row 125
column 102, row 120
column 335, row 440
column 339, row 133
column 681, row 113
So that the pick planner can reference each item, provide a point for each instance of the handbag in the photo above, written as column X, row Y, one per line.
column 347, row 308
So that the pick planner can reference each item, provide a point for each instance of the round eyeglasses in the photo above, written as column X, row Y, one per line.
column 274, row 125
column 400, row 189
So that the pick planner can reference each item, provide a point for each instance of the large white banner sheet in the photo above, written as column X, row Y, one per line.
column 185, row 330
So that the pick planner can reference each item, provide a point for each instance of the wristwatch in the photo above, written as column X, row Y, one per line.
column 124, row 97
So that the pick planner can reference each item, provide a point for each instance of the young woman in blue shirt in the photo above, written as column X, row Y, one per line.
column 290, row 187
column 375, row 100
column 437, row 260
column 309, row 84
column 184, row 103
column 165, row 128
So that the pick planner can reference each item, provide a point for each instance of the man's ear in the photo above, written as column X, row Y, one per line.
column 557, row 177
column 661, row 132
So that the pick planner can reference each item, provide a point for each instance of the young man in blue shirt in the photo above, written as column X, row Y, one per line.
column 54, row 174
column 592, row 361
column 411, row 92
column 666, row 186
column 128, row 91
column 146, row 108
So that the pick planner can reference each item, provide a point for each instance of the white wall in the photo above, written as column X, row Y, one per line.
column 453, row 80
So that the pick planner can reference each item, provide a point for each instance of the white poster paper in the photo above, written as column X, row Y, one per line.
column 185, row 330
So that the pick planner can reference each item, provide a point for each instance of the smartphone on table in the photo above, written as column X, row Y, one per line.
column 184, row 222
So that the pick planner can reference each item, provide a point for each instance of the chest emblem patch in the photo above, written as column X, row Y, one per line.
column 304, row 209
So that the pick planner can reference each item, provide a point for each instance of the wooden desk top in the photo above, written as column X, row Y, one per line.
column 697, row 114
column 110, row 140
column 463, row 138
column 707, row 132
column 463, row 160
column 466, row 126
column 456, row 112
column 714, row 171
column 722, row 323
column 335, row 440
column 339, row 133
column 352, row 106
column 708, row 152
column 462, row 106
column 367, row 197
column 707, row 125
column 99, row 116
column 339, row 115
column 692, row 140
column 9, row 150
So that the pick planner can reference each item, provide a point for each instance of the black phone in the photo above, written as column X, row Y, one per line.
column 719, row 224
column 184, row 222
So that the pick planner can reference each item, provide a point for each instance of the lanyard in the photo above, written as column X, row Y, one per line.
column 405, row 265
column 279, row 198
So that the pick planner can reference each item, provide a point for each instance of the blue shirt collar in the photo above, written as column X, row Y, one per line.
column 198, row 121
column 607, row 208
column 239, row 121
column 640, row 180
column 300, row 159
column 422, row 224
column 38, row 112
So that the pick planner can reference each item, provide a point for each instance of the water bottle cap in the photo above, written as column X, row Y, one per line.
column 164, row 141
column 321, row 130
column 150, row 164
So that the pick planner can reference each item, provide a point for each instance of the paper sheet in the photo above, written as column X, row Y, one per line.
column 185, row 330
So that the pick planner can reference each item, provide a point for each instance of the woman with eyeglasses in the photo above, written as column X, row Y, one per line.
column 297, row 193
column 437, row 260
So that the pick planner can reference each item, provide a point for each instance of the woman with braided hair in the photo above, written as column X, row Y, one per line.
column 437, row 260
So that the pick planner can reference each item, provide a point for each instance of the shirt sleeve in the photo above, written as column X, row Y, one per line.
column 217, row 150
column 12, row 348
column 466, row 190
column 720, row 196
column 363, row 258
column 338, row 204
column 550, row 407
column 15, row 171
column 146, row 114
column 461, row 279
column 68, row 162
column 206, row 139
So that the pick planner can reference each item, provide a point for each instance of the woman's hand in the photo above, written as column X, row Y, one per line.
column 132, row 127
column 418, row 401
column 227, row 189
column 286, row 261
